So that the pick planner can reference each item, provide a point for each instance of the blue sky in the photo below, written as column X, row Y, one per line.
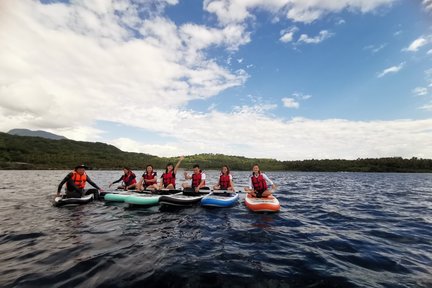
column 281, row 79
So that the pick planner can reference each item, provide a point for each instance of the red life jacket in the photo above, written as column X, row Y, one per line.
column 79, row 180
column 196, row 179
column 150, row 176
column 168, row 178
column 224, row 181
column 127, row 179
column 259, row 183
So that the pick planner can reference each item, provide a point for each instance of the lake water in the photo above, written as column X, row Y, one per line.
column 334, row 230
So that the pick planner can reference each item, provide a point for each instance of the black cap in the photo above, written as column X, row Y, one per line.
column 81, row 166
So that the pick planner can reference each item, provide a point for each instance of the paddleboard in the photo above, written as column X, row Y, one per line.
column 220, row 199
column 142, row 200
column 60, row 201
column 264, row 204
column 186, row 198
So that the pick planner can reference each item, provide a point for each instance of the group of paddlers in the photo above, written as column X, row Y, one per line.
column 259, row 184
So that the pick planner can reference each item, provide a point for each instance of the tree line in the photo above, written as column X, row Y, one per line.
column 22, row 152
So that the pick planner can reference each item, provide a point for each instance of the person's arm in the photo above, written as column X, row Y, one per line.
column 231, row 182
column 66, row 179
column 151, row 181
column 92, row 183
column 186, row 176
column 267, row 179
column 203, row 177
column 121, row 178
column 178, row 164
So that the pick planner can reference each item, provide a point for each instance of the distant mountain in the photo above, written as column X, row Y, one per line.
column 37, row 133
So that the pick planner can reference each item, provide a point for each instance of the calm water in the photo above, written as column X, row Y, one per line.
column 334, row 230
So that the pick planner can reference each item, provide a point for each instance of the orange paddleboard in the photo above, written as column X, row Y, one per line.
column 264, row 204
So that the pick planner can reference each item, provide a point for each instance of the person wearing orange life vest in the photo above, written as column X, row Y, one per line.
column 258, row 183
column 128, row 179
column 169, row 176
column 148, row 179
column 198, row 179
column 75, row 183
column 225, row 180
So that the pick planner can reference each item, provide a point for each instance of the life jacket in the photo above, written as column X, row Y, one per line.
column 259, row 183
column 168, row 178
column 79, row 180
column 127, row 179
column 147, row 176
column 196, row 179
column 224, row 181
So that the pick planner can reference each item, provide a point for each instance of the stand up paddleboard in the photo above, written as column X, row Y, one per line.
column 148, row 199
column 61, row 201
column 264, row 204
column 186, row 198
column 220, row 198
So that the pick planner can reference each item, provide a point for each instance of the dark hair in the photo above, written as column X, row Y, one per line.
column 259, row 171
column 196, row 166
column 166, row 168
column 228, row 172
column 127, row 168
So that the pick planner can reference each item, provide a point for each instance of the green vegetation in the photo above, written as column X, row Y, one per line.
column 22, row 152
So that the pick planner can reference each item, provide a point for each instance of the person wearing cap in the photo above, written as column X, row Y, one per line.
column 128, row 180
column 75, row 183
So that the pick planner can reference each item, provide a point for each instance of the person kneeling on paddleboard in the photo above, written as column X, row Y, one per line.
column 168, row 178
column 225, row 180
column 258, row 183
column 198, row 179
column 75, row 184
column 148, row 179
column 128, row 179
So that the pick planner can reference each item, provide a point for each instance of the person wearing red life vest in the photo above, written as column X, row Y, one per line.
column 169, row 176
column 197, row 179
column 128, row 179
column 225, row 180
column 148, row 179
column 75, row 184
column 258, row 183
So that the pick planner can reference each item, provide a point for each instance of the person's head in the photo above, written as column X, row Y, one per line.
column 149, row 168
column 196, row 169
column 169, row 167
column 126, row 170
column 80, row 169
column 255, row 169
column 225, row 170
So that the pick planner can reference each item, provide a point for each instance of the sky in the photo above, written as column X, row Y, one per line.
column 282, row 79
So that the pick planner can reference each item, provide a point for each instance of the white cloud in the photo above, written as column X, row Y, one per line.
column 86, row 65
column 391, row 70
column 416, row 44
column 340, row 22
column 290, row 103
column 420, row 91
column 288, row 34
column 303, row 138
column 427, row 5
column 427, row 107
column 306, row 11
column 375, row 48
column 429, row 52
column 323, row 35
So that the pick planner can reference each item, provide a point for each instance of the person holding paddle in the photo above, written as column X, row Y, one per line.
column 76, row 182
column 168, row 178
column 225, row 180
column 258, row 183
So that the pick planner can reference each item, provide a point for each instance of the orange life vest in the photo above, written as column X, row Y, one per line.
column 224, row 181
column 259, row 183
column 196, row 179
column 79, row 180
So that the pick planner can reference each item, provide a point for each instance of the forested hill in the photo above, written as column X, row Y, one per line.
column 22, row 152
